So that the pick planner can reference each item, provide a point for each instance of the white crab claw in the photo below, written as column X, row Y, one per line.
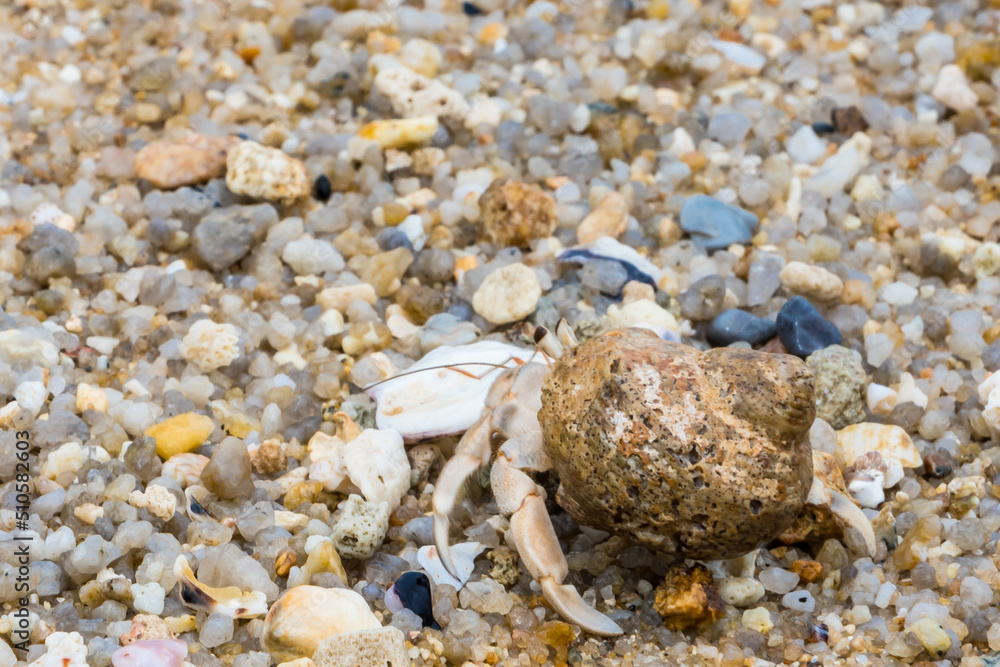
column 441, row 542
column 571, row 606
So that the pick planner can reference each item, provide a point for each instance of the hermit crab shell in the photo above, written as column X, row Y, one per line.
column 696, row 454
column 306, row 615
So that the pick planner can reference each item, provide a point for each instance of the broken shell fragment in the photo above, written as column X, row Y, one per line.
column 306, row 615
column 891, row 442
column 445, row 392
column 866, row 480
column 463, row 556
column 230, row 600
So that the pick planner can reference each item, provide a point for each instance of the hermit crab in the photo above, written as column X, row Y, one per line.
column 693, row 454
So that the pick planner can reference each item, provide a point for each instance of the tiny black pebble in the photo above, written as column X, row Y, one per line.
column 414, row 590
column 321, row 188
column 471, row 10
column 823, row 128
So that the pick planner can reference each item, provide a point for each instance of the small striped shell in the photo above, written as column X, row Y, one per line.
column 185, row 469
column 306, row 615
column 891, row 442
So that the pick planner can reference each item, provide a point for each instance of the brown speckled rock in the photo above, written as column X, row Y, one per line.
column 513, row 213
column 697, row 454
column 687, row 598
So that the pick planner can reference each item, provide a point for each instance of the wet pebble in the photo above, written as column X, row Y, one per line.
column 736, row 325
column 803, row 330
column 714, row 224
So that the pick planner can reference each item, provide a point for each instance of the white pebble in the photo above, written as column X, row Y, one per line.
column 148, row 598
column 953, row 91
column 799, row 601
column 898, row 294
column 778, row 580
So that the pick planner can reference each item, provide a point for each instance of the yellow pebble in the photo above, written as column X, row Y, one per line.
column 181, row 434
column 758, row 619
column 180, row 624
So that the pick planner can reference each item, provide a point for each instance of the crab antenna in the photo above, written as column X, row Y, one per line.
column 451, row 367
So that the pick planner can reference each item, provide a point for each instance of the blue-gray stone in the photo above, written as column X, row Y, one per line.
column 803, row 330
column 736, row 325
column 715, row 225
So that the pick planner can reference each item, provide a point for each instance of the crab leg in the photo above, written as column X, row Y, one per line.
column 473, row 452
column 843, row 508
column 518, row 496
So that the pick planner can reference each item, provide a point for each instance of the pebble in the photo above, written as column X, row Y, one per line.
column 841, row 385
column 933, row 637
column 898, row 294
column 180, row 434
column 209, row 345
column 52, row 215
column 778, row 580
column 229, row 473
column 848, row 120
column 804, row 146
column 840, row 170
column 266, row 173
column 759, row 619
column 799, row 601
column 361, row 527
column 309, row 256
column 146, row 627
column 741, row 591
column 609, row 218
column 716, row 225
column 402, row 133
column 734, row 325
column 304, row 616
column 803, row 330
column 952, row 89
column 687, row 598
column 811, row 281
column 508, row 294
column 382, row 646
column 339, row 298
column 172, row 164
column 63, row 649
column 412, row 591
column 513, row 213
column 374, row 462
column 225, row 236
column 415, row 96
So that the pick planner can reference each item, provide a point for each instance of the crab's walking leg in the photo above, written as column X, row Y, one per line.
column 473, row 452
column 518, row 496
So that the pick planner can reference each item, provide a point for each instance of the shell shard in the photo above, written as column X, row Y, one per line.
column 464, row 557
column 443, row 401
column 636, row 266
column 230, row 600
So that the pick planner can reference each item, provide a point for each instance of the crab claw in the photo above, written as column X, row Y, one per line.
column 570, row 605
column 472, row 453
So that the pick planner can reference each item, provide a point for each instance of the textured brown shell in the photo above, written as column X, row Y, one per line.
column 697, row 454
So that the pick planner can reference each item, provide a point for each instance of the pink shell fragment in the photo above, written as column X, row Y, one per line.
column 151, row 653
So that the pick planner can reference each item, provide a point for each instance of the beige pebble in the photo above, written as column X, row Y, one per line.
column 508, row 294
column 88, row 513
column 209, row 345
column 400, row 133
column 194, row 159
column 609, row 218
column 414, row 96
column 340, row 297
column 266, row 173
column 89, row 397
column 811, row 281
column 952, row 89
